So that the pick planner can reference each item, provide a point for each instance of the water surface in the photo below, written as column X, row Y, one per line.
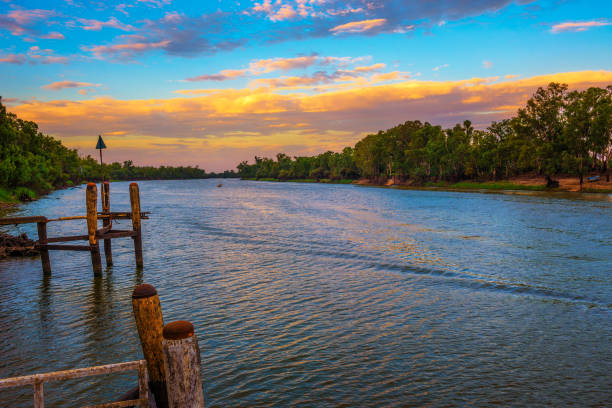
column 331, row 295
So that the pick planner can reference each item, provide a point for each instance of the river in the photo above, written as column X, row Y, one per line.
column 330, row 295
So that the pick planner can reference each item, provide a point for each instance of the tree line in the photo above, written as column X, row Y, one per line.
column 557, row 132
column 32, row 163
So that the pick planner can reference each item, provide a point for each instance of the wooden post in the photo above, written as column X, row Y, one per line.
column 143, row 386
column 135, row 204
column 39, row 396
column 92, row 227
column 183, row 366
column 44, row 252
column 108, row 253
column 150, row 324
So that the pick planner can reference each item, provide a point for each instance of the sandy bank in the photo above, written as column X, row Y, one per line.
column 528, row 182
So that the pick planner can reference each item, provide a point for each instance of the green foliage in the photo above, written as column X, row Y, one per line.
column 328, row 165
column 557, row 132
column 6, row 196
column 24, row 194
column 32, row 163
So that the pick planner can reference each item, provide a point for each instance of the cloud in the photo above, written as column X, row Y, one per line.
column 96, row 25
column 487, row 64
column 389, row 76
column 317, row 78
column 155, row 3
column 22, row 22
column 224, row 75
column 34, row 55
column 261, row 66
column 439, row 67
column 13, row 59
column 322, row 18
column 126, row 50
column 375, row 67
column 279, row 11
column 267, row 21
column 57, row 86
column 122, row 8
column 578, row 26
column 286, row 12
column 358, row 26
column 37, row 55
column 281, row 64
column 243, row 122
column 175, row 34
column 264, row 66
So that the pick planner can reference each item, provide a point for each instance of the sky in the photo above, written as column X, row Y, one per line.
column 213, row 83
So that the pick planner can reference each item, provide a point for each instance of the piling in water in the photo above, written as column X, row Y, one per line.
column 94, row 235
column 150, row 324
column 92, row 227
column 135, row 204
column 44, row 252
column 183, row 366
column 106, row 222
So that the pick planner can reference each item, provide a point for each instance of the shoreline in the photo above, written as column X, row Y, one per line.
column 567, row 185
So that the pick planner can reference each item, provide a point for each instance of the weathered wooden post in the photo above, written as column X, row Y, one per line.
column 44, row 252
column 135, row 204
column 183, row 366
column 105, row 194
column 39, row 395
column 150, row 324
column 92, row 226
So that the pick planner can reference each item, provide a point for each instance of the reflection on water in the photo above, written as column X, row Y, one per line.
column 325, row 295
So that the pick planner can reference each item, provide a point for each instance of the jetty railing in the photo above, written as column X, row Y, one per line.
column 44, row 243
column 37, row 381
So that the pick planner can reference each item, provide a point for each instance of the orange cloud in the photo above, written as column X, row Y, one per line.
column 358, row 26
column 224, row 75
column 262, row 66
column 281, row 64
column 56, row 86
column 282, row 12
column 220, row 127
column 97, row 25
column 389, row 76
column 13, row 58
column 374, row 67
column 34, row 55
column 126, row 49
column 578, row 26
column 21, row 22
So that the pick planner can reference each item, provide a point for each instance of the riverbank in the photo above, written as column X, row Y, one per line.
column 522, row 183
column 324, row 181
column 529, row 183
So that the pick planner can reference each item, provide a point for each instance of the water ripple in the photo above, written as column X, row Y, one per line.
column 320, row 295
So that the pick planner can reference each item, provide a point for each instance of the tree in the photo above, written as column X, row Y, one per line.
column 543, row 120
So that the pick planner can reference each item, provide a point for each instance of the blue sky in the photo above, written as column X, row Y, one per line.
column 213, row 83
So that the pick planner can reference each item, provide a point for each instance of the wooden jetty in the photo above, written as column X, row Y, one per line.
column 171, row 369
column 94, row 234
column 37, row 380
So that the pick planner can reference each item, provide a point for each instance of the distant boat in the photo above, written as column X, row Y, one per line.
column 220, row 185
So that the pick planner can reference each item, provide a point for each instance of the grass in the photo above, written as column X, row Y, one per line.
column 597, row 190
column 489, row 185
column 24, row 194
column 6, row 196
column 14, row 196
